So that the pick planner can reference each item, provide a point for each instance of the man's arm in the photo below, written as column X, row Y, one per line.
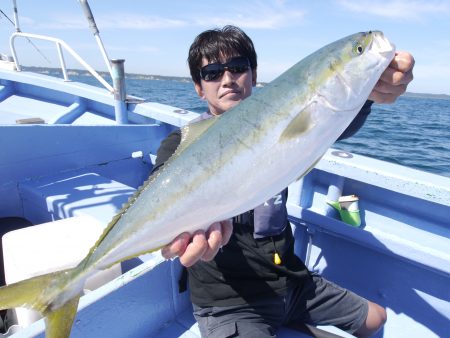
column 358, row 121
column 166, row 149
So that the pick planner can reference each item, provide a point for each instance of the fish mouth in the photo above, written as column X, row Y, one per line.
column 381, row 44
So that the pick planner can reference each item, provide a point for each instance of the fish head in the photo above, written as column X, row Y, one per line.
column 353, row 66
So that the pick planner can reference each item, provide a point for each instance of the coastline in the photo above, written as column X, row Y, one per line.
column 136, row 76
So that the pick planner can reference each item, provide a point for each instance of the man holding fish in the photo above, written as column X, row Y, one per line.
column 244, row 277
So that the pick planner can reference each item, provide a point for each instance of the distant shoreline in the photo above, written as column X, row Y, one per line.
column 135, row 76
column 428, row 96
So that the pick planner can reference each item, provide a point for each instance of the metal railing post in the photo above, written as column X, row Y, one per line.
column 59, row 43
column 120, row 95
column 62, row 62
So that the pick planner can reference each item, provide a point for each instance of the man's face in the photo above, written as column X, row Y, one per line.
column 227, row 90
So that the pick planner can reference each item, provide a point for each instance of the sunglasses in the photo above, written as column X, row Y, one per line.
column 213, row 71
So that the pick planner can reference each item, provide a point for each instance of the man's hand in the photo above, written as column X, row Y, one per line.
column 200, row 245
column 394, row 80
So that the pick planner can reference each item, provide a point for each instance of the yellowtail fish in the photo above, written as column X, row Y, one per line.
column 225, row 166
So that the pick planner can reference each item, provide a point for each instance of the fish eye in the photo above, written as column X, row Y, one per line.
column 358, row 49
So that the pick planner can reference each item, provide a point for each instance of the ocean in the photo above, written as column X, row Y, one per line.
column 414, row 131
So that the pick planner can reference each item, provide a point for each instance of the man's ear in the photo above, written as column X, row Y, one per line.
column 199, row 90
column 254, row 75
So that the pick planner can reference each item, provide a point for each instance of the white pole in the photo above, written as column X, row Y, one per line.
column 90, row 17
column 62, row 61
column 16, row 16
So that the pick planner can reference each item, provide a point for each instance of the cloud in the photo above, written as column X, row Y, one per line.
column 253, row 14
column 245, row 22
column 139, row 22
column 113, row 21
column 250, row 14
column 397, row 9
column 137, row 49
column 61, row 23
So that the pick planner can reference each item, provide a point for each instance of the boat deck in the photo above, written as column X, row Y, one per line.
column 401, row 247
column 33, row 98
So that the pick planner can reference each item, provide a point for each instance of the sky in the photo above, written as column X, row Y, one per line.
column 153, row 36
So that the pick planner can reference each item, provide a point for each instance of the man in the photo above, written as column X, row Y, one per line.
column 240, row 290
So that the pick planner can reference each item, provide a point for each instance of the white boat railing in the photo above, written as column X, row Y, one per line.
column 59, row 44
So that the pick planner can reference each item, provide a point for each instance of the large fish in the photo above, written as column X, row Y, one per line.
column 225, row 166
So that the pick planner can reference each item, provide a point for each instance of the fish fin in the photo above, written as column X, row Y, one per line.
column 189, row 133
column 58, row 323
column 192, row 131
column 300, row 125
column 40, row 293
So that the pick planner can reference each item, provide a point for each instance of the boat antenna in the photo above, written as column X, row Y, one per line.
column 16, row 17
column 90, row 18
column 15, row 23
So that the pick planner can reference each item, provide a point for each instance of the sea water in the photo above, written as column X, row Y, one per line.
column 413, row 131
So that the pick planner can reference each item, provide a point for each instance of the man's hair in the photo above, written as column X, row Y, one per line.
column 217, row 43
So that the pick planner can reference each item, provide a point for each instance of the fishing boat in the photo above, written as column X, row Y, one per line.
column 72, row 154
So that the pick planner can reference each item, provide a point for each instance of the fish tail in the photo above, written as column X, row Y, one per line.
column 58, row 323
column 52, row 295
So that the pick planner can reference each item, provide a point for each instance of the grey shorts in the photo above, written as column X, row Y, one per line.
column 316, row 302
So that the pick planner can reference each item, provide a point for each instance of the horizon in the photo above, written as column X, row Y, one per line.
column 175, row 78
column 154, row 37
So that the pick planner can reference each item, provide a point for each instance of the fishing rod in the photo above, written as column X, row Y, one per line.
column 15, row 23
column 90, row 18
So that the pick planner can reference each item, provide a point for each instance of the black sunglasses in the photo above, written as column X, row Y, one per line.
column 214, row 71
